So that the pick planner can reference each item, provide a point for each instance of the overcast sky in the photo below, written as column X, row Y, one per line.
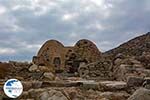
column 26, row 24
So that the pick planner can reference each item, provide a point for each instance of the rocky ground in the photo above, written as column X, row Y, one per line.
column 121, row 74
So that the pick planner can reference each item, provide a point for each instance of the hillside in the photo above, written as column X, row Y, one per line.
column 134, row 47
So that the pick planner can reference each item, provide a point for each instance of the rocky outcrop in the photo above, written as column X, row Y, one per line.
column 134, row 47
column 141, row 94
column 129, row 66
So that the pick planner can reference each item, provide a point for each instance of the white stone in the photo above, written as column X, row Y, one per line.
column 33, row 68
column 49, row 76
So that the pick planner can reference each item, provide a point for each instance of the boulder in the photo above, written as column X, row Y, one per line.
column 140, row 94
column 36, row 75
column 123, row 71
column 36, row 84
column 34, row 93
column 134, row 81
column 114, row 96
column 45, row 69
column 44, row 96
column 48, row 76
column 91, row 85
column 33, row 68
column 112, row 85
column 74, row 93
column 56, row 95
column 24, row 96
column 118, row 61
column 52, row 95
column 27, row 85
column 31, row 85
column 57, row 78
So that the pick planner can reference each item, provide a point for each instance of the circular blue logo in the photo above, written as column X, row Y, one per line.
column 13, row 88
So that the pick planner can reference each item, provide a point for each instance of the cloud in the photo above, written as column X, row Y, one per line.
column 7, row 51
column 27, row 24
column 2, row 9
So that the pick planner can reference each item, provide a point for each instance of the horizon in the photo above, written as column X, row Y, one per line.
column 27, row 24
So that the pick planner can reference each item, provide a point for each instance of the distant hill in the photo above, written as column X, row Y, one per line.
column 134, row 47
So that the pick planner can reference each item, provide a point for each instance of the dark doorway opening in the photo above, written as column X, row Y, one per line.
column 57, row 61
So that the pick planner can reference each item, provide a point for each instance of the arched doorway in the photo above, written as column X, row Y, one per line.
column 57, row 62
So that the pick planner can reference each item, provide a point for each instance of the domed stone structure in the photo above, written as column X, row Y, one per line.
column 56, row 55
column 87, row 50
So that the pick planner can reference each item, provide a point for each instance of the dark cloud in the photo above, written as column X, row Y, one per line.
column 26, row 24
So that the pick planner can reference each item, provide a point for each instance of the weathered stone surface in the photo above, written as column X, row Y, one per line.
column 36, row 84
column 31, row 85
column 128, row 63
column 57, row 78
column 60, row 84
column 33, row 68
column 27, row 85
column 114, row 96
column 112, row 85
column 48, row 76
column 134, row 47
column 44, row 69
column 87, row 50
column 101, row 69
column 56, row 56
column 134, row 59
column 140, row 94
column 25, row 94
column 90, row 85
column 74, row 93
column 44, row 96
column 123, row 71
column 36, row 75
column 34, row 93
column 4, row 69
column 118, row 61
column 52, row 95
column 144, row 58
column 83, row 71
column 146, row 83
column 135, row 81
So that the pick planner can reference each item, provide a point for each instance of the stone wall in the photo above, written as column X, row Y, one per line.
column 56, row 55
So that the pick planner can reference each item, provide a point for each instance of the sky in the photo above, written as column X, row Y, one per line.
column 26, row 24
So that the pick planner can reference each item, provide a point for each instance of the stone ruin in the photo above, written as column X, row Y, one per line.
column 58, row 57
column 122, row 73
